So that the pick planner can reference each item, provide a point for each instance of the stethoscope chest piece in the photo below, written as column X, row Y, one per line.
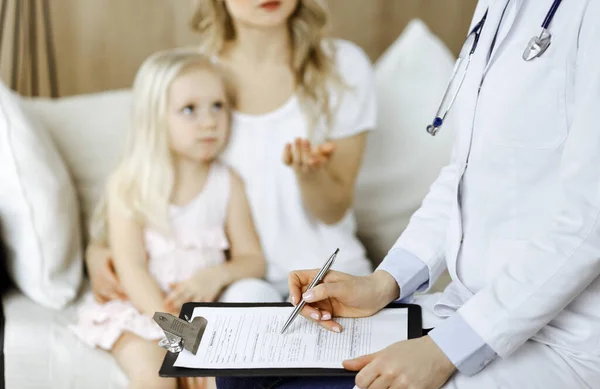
column 537, row 45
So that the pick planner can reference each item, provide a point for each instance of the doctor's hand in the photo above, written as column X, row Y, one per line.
column 306, row 158
column 342, row 295
column 415, row 363
column 105, row 284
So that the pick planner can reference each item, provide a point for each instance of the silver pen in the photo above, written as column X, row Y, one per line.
column 318, row 278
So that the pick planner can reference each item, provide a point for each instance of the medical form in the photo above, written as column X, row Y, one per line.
column 250, row 338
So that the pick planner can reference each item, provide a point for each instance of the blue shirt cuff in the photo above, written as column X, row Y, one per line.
column 411, row 274
column 462, row 345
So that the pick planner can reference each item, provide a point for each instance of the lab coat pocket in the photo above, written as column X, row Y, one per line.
column 530, row 112
column 501, row 253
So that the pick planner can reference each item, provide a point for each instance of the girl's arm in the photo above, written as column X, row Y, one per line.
column 126, row 241
column 247, row 259
column 328, row 190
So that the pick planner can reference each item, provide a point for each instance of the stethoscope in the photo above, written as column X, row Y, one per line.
column 536, row 47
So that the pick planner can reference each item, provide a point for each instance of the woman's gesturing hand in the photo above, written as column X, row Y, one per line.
column 304, row 157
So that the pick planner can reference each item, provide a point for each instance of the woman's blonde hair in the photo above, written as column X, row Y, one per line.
column 312, row 62
column 142, row 183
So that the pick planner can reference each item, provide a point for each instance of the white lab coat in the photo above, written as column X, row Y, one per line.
column 516, row 216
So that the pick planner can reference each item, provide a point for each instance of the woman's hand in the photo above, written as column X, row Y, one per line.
column 341, row 294
column 304, row 157
column 416, row 363
column 326, row 174
column 203, row 287
column 105, row 284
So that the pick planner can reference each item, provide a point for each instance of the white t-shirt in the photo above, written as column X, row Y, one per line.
column 291, row 237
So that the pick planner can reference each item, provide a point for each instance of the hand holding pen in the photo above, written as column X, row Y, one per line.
column 316, row 279
column 341, row 295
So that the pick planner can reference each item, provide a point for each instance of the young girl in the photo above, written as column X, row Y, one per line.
column 171, row 211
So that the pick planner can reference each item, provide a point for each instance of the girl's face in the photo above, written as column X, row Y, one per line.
column 261, row 13
column 198, row 115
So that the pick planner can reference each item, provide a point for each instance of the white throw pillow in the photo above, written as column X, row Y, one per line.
column 89, row 132
column 38, row 209
column 401, row 159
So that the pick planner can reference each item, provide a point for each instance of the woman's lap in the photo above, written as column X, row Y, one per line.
column 285, row 383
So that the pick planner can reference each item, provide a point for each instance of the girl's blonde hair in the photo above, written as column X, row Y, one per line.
column 142, row 183
column 312, row 62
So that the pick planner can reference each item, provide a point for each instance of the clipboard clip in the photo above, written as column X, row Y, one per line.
column 180, row 334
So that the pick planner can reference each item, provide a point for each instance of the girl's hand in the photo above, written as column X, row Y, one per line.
column 203, row 287
column 306, row 158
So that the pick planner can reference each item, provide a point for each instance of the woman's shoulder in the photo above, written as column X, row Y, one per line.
column 351, row 61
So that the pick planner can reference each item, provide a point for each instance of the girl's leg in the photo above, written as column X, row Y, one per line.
column 197, row 383
column 140, row 359
column 250, row 290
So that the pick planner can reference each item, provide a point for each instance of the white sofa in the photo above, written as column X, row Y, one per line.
column 400, row 163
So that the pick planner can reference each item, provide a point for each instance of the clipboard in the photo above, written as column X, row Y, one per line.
column 167, row 369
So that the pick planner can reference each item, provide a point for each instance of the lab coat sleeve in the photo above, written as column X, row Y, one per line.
column 425, row 235
column 546, row 275
column 410, row 272
column 463, row 346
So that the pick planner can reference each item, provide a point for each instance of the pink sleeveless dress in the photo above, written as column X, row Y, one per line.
column 198, row 241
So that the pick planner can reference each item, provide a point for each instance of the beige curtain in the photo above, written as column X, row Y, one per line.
column 101, row 43
column 27, row 62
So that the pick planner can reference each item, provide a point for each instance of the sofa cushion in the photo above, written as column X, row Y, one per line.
column 38, row 209
column 89, row 132
column 42, row 353
column 401, row 159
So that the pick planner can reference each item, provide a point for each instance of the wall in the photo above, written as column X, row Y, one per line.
column 101, row 43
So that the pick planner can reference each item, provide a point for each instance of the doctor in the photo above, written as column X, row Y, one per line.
column 515, row 218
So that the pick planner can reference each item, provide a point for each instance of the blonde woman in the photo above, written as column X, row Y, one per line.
column 171, row 211
column 304, row 107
